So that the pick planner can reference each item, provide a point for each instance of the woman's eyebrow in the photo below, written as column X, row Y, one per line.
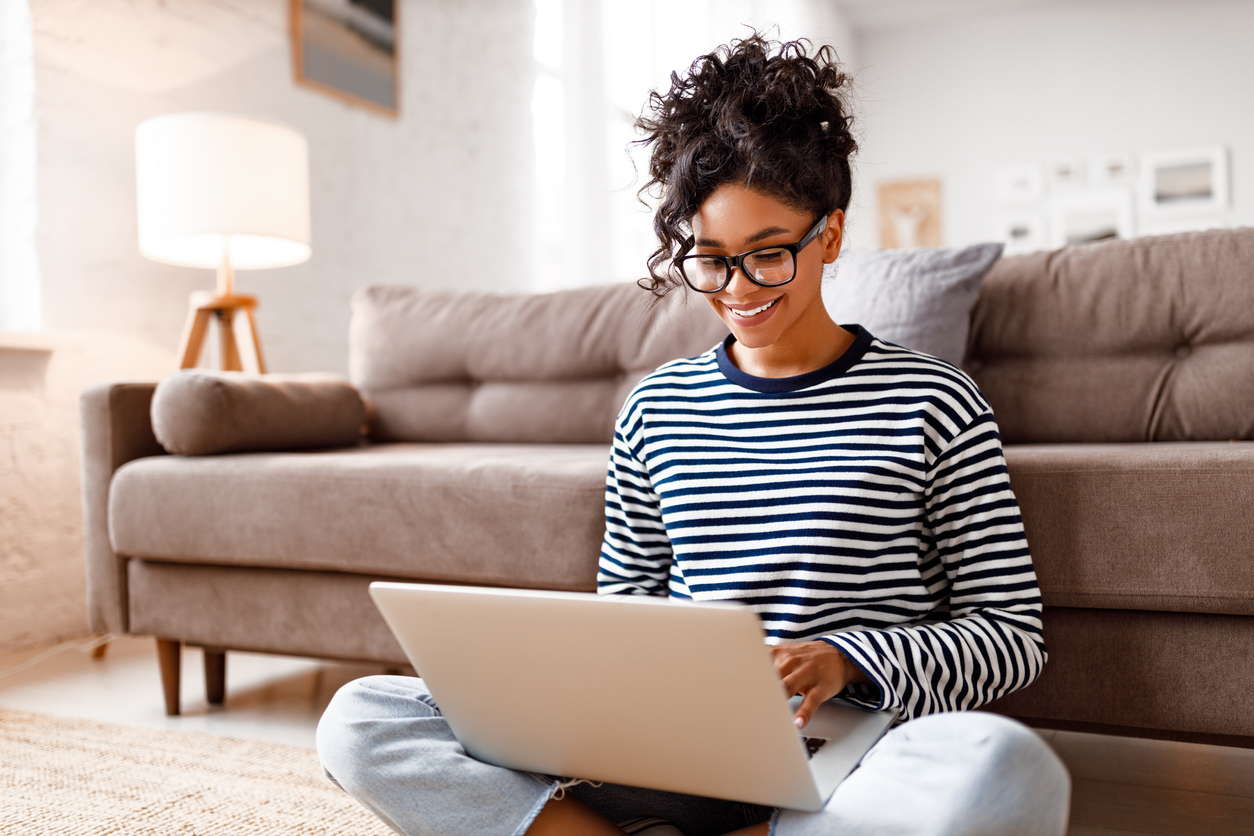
column 752, row 239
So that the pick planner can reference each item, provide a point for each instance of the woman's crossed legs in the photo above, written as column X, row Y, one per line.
column 384, row 740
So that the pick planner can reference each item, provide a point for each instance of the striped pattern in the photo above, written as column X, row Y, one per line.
column 866, row 503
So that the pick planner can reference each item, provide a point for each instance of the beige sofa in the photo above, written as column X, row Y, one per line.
column 1121, row 373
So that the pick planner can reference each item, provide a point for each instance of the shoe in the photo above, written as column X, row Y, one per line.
column 649, row 826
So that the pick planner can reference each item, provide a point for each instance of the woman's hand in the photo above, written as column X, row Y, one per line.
column 815, row 670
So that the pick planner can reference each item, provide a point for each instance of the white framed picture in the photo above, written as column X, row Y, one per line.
column 1067, row 174
column 1090, row 215
column 1022, row 232
column 1020, row 183
column 1190, row 181
column 1112, row 170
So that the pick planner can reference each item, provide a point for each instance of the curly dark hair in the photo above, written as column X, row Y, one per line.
column 758, row 112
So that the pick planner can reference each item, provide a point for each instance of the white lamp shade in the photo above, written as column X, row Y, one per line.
column 215, row 184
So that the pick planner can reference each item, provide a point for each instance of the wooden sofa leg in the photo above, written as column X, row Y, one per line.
column 215, row 676
column 98, row 652
column 170, row 655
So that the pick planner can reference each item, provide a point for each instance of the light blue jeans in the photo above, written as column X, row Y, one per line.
column 384, row 741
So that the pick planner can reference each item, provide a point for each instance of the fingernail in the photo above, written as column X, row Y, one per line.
column 800, row 723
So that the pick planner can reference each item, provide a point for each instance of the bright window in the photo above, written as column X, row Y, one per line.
column 19, row 263
column 597, row 61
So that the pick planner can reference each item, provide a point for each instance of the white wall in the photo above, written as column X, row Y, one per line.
column 440, row 196
column 43, row 579
column 960, row 97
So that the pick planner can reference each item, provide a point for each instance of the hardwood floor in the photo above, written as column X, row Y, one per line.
column 273, row 698
column 1121, row 785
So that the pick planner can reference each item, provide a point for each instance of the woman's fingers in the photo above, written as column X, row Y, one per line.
column 798, row 683
column 815, row 670
column 809, row 705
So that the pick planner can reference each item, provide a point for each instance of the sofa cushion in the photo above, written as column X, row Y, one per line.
column 919, row 297
column 1140, row 526
column 1123, row 526
column 529, row 516
column 1144, row 340
column 198, row 412
column 443, row 365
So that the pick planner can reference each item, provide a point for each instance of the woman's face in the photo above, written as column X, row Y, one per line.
column 734, row 219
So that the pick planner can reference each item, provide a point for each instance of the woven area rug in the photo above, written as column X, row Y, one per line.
column 68, row 776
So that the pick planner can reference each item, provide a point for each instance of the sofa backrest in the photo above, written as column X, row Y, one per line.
column 548, row 368
column 1144, row 340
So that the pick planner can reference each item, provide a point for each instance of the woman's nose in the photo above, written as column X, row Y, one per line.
column 740, row 284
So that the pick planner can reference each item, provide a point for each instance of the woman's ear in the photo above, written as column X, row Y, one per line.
column 833, row 236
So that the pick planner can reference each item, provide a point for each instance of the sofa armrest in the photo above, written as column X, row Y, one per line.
column 117, row 428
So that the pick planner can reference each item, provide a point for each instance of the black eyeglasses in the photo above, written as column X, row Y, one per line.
column 766, row 266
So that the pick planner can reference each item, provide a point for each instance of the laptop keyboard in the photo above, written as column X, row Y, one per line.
column 813, row 744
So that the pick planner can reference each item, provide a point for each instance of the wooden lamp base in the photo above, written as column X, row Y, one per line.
column 205, row 304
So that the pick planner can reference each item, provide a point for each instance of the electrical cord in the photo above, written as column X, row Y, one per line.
column 53, row 651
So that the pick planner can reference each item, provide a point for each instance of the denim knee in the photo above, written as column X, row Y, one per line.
column 350, row 728
column 954, row 774
column 1013, row 782
column 384, row 740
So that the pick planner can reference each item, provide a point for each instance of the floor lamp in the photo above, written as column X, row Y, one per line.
column 225, row 192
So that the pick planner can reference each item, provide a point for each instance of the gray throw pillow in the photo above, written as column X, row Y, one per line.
column 198, row 412
column 920, row 298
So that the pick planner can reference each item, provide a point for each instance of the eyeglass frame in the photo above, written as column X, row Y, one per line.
column 731, row 262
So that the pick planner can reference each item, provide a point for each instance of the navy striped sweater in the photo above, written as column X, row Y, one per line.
column 866, row 504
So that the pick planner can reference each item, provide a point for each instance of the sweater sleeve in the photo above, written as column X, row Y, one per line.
column 636, row 552
column 989, row 643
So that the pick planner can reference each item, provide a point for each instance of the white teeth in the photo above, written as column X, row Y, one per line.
column 754, row 312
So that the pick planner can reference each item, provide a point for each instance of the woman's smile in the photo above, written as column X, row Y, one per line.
column 752, row 314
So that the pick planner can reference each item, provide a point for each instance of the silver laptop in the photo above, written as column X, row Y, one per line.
column 647, row 692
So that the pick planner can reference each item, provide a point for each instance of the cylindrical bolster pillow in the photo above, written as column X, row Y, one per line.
column 198, row 412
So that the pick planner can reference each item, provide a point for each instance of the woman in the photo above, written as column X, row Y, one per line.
column 851, row 491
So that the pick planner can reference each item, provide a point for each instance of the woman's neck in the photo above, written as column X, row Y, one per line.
column 814, row 341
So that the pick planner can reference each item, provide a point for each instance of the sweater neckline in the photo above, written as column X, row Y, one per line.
column 775, row 385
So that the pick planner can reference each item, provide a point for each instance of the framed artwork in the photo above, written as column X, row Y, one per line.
column 1090, row 215
column 1067, row 174
column 1112, row 170
column 1022, row 232
column 910, row 213
column 1023, row 183
column 1191, row 181
column 348, row 50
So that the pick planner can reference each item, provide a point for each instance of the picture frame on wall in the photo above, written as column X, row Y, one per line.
column 910, row 213
column 1020, row 183
column 1090, row 215
column 1113, row 170
column 1022, row 232
column 1067, row 174
column 1189, row 181
column 348, row 49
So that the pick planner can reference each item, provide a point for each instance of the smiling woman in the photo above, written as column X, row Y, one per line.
column 751, row 154
column 770, row 294
column 852, row 493
column 779, row 125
